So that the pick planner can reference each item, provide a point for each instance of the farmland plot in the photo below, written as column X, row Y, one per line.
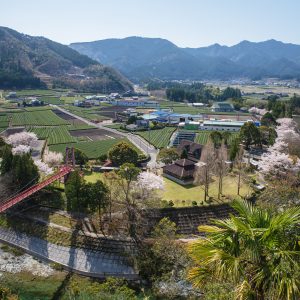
column 37, row 118
column 159, row 138
column 92, row 149
column 203, row 136
column 3, row 121
column 54, row 135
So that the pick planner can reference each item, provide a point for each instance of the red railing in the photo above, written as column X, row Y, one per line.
column 35, row 188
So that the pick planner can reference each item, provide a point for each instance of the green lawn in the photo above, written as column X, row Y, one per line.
column 184, row 195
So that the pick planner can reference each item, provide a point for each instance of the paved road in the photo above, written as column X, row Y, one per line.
column 86, row 262
column 138, row 141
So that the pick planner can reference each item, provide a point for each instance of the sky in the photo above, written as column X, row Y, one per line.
column 187, row 23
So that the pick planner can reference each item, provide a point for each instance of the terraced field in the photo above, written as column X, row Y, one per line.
column 55, row 135
column 202, row 137
column 159, row 138
column 92, row 149
column 37, row 118
column 3, row 122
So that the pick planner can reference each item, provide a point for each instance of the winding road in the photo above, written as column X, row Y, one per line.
column 138, row 141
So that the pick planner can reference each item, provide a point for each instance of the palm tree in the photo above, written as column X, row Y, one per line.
column 258, row 251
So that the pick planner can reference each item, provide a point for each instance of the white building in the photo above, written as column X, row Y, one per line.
column 222, row 125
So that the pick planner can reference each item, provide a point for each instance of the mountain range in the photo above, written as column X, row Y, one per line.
column 27, row 61
column 144, row 58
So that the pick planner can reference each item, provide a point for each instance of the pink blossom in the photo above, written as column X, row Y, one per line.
column 277, row 158
column 257, row 111
column 20, row 150
column 150, row 181
column 22, row 138
column 43, row 167
column 53, row 158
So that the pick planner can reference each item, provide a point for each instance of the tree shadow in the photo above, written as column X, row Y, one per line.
column 58, row 294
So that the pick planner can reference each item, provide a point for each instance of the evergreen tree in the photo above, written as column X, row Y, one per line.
column 184, row 154
column 80, row 157
column 7, row 159
column 123, row 153
column 250, row 135
column 25, row 172
column 74, row 189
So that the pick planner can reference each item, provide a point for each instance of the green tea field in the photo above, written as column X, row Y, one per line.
column 159, row 138
column 92, row 149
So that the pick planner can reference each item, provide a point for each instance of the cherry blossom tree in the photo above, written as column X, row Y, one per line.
column 149, row 181
column 20, row 150
column 257, row 111
column 53, row 158
column 43, row 167
column 22, row 138
column 278, row 159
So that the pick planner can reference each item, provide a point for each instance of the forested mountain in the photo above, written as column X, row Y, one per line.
column 27, row 61
column 143, row 58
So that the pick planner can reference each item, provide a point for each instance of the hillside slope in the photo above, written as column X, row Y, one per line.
column 27, row 61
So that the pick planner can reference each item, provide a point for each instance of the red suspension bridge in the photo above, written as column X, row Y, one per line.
column 63, row 171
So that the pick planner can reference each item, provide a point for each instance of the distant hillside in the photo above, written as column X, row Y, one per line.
column 27, row 61
column 140, row 58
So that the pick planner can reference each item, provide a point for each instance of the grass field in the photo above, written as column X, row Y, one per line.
column 37, row 118
column 92, row 149
column 35, row 93
column 54, row 135
column 69, row 99
column 51, row 100
column 159, row 138
column 87, row 113
column 184, row 195
column 80, row 126
column 202, row 137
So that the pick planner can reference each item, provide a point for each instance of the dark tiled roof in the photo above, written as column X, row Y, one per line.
column 184, row 162
column 192, row 146
column 183, row 168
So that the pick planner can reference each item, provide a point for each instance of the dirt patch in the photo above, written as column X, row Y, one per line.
column 95, row 134
column 67, row 117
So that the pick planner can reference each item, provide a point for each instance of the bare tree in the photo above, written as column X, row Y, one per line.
column 206, row 167
column 239, row 163
column 221, row 166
